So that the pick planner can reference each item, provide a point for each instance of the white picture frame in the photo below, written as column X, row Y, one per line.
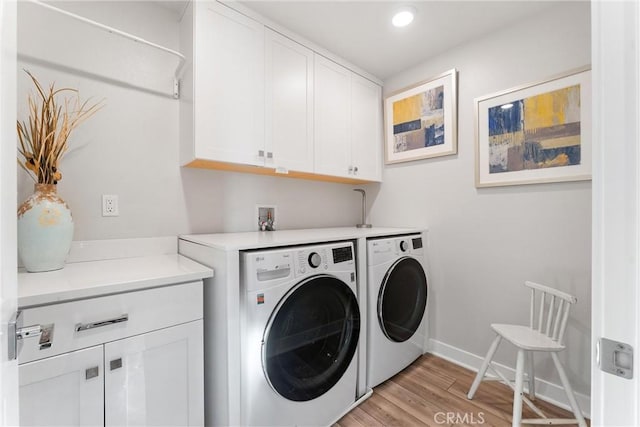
column 535, row 133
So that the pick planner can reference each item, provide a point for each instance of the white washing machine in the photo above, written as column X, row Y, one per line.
column 300, row 324
column 397, row 304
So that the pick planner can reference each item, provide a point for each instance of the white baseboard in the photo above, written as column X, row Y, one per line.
column 545, row 390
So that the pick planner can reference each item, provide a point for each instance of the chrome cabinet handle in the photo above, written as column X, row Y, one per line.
column 355, row 170
column 86, row 326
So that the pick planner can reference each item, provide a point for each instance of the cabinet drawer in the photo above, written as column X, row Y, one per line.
column 85, row 323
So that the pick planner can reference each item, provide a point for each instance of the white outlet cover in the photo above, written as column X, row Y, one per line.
column 110, row 205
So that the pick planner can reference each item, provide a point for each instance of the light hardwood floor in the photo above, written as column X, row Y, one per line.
column 433, row 392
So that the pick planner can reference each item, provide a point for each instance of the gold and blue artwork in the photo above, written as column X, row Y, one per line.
column 418, row 121
column 537, row 132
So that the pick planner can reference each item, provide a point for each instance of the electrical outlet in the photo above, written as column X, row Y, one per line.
column 110, row 205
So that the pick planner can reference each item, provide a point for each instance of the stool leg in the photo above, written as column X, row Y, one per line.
column 532, row 377
column 483, row 368
column 517, row 393
column 568, row 390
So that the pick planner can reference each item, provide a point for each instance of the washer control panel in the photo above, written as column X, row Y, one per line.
column 342, row 254
column 313, row 259
column 317, row 259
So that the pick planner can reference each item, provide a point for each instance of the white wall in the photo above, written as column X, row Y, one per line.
column 484, row 243
column 130, row 147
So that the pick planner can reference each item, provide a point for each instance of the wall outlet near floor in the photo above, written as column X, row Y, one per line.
column 110, row 205
column 266, row 215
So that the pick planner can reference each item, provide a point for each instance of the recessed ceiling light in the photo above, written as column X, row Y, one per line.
column 403, row 17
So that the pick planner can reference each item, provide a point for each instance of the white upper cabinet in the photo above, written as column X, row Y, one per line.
column 366, row 129
column 348, row 123
column 289, row 103
column 229, row 85
column 332, row 118
column 255, row 100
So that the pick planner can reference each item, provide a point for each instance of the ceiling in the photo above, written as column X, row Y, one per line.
column 361, row 31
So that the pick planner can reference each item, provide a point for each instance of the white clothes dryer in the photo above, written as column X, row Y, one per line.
column 397, row 304
column 300, row 324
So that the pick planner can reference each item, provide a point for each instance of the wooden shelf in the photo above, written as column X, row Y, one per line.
column 233, row 167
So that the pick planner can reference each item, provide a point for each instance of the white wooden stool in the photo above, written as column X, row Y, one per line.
column 553, row 314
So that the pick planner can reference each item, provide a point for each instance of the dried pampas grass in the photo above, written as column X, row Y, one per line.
column 44, row 138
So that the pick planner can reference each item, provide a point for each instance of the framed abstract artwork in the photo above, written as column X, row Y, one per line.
column 420, row 121
column 536, row 133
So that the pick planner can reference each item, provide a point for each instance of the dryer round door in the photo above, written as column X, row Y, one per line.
column 402, row 299
column 311, row 338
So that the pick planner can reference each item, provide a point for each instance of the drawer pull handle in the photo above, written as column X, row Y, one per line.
column 85, row 326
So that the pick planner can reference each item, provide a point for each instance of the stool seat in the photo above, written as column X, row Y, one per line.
column 526, row 338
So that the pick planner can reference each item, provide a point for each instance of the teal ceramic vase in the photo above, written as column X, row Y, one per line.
column 45, row 230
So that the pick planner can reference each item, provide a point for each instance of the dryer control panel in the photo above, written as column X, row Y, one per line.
column 381, row 250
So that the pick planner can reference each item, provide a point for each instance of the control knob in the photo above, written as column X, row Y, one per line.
column 404, row 245
column 314, row 259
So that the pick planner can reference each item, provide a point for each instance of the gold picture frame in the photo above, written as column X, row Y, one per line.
column 420, row 121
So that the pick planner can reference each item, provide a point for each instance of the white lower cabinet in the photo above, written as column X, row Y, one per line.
column 64, row 390
column 131, row 359
column 149, row 379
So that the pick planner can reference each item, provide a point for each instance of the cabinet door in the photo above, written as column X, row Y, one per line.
column 64, row 390
column 289, row 103
column 332, row 112
column 229, row 82
column 366, row 129
column 156, row 378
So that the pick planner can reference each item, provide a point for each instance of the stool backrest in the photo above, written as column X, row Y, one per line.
column 552, row 310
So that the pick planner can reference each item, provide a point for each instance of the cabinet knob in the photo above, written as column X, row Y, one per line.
column 350, row 170
column 355, row 170
column 260, row 153
column 269, row 155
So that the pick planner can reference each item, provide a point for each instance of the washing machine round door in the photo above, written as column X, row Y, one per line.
column 402, row 299
column 311, row 338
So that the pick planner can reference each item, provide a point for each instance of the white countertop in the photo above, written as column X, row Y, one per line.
column 266, row 239
column 97, row 278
